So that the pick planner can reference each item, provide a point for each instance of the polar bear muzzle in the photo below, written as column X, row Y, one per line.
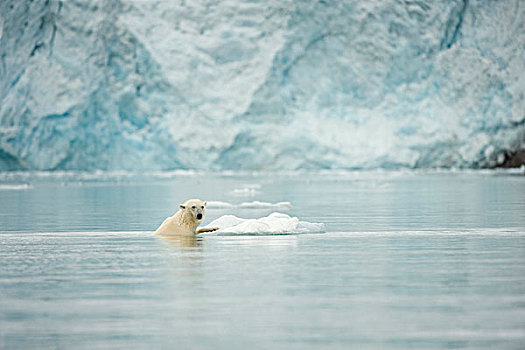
column 194, row 207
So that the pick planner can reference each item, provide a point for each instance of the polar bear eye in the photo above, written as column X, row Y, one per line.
column 202, row 207
column 193, row 207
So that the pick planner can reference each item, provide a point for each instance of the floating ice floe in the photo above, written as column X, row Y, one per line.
column 275, row 223
column 247, row 190
column 16, row 187
column 249, row 205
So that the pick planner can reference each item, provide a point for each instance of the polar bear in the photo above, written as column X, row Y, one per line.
column 186, row 220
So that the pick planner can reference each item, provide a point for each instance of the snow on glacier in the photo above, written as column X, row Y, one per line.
column 260, row 85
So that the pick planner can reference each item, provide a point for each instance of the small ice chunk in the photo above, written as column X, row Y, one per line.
column 250, row 205
column 218, row 204
column 257, row 205
column 246, row 192
column 16, row 186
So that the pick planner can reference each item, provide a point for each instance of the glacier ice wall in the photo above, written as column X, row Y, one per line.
column 260, row 84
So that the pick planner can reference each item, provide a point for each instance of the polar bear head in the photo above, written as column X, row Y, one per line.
column 194, row 207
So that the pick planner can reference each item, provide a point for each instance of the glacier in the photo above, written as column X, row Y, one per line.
column 260, row 84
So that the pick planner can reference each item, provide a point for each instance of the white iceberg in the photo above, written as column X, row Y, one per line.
column 273, row 224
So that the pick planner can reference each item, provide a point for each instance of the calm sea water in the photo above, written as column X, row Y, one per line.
column 409, row 260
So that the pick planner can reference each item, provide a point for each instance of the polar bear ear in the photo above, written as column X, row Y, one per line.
column 205, row 203
column 182, row 206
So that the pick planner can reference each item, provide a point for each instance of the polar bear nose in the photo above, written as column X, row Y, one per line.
column 199, row 216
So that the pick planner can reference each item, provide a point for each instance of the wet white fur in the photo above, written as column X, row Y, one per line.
column 185, row 222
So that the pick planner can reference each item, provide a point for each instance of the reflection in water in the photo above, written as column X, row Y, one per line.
column 181, row 241
column 183, row 258
column 271, row 241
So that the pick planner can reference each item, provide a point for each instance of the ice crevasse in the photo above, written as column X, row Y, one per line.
column 261, row 85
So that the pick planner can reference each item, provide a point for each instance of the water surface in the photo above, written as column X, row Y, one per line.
column 409, row 260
